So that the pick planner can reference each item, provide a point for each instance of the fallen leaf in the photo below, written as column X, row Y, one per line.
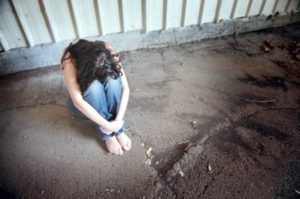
column 209, row 168
column 268, row 44
column 181, row 173
column 148, row 152
column 157, row 162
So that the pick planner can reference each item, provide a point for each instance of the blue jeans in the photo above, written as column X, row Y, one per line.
column 105, row 98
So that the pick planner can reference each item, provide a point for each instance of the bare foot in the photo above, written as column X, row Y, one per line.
column 124, row 141
column 113, row 146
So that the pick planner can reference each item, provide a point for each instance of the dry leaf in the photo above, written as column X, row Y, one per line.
column 268, row 44
column 210, row 171
column 181, row 173
column 148, row 152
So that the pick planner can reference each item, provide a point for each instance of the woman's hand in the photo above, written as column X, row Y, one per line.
column 113, row 126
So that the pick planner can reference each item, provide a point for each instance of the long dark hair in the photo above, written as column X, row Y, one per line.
column 92, row 61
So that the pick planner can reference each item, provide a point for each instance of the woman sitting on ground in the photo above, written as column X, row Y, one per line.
column 98, row 89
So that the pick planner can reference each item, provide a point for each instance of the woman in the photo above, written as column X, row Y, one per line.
column 98, row 90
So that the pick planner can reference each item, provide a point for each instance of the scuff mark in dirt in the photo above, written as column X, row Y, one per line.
column 266, row 81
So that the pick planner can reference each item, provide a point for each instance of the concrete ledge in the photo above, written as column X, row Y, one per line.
column 22, row 59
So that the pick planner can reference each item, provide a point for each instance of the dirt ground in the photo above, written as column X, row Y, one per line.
column 217, row 118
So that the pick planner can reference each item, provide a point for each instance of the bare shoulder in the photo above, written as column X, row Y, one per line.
column 66, row 60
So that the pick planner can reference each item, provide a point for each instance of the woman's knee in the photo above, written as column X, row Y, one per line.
column 113, row 84
column 94, row 88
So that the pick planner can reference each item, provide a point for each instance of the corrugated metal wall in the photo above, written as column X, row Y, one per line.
column 26, row 23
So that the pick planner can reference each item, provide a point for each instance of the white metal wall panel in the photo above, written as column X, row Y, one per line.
column 241, row 8
column 255, row 7
column 225, row 9
column 154, row 15
column 85, row 17
column 268, row 8
column 10, row 34
column 132, row 15
column 281, row 6
column 174, row 11
column 60, row 19
column 293, row 5
column 192, row 12
column 44, row 21
column 32, row 21
column 209, row 11
column 110, row 16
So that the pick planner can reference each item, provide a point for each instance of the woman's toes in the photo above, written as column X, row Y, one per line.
column 113, row 146
column 124, row 141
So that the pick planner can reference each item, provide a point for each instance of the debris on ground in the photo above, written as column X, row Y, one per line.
column 194, row 124
column 148, row 152
column 283, row 46
column 267, row 46
column 267, row 81
column 109, row 190
column 209, row 169
column 181, row 173
column 148, row 162
column 260, row 101
column 188, row 146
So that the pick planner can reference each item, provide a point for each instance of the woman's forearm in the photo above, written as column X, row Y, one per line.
column 123, row 104
column 85, row 108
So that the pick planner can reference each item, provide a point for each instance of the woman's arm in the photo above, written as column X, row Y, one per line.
column 81, row 104
column 124, row 98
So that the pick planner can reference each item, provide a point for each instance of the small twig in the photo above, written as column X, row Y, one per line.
column 259, row 101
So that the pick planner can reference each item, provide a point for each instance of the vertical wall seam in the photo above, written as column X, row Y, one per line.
column 287, row 6
column 262, row 6
column 183, row 13
column 275, row 6
column 233, row 9
column 144, row 16
column 75, row 28
column 121, row 15
column 298, row 6
column 48, row 25
column 249, row 7
column 217, row 13
column 98, row 17
column 18, row 22
column 165, row 7
column 201, row 11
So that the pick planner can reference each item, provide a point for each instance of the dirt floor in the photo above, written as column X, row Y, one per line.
column 212, row 119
